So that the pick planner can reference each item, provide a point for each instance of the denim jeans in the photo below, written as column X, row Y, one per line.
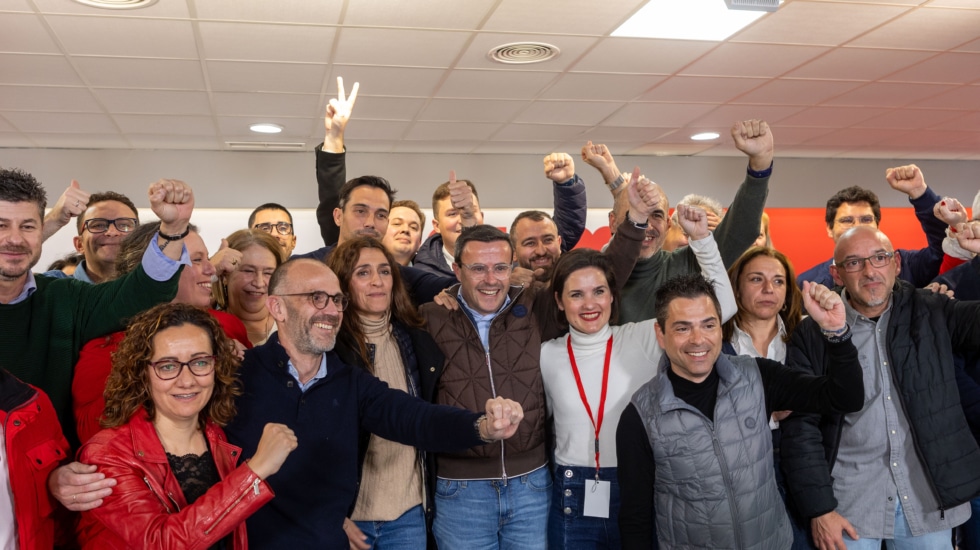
column 491, row 514
column 405, row 533
column 567, row 528
column 968, row 534
column 939, row 540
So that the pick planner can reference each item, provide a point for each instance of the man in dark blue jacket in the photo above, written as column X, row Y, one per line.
column 296, row 379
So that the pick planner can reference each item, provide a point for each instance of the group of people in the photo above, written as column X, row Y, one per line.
column 681, row 388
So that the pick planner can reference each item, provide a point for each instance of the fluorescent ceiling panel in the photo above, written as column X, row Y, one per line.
column 686, row 20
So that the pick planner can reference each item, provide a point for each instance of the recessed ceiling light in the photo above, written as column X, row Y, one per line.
column 686, row 20
column 118, row 4
column 519, row 53
column 706, row 136
column 265, row 128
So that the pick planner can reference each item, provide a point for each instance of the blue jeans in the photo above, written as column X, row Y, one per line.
column 940, row 540
column 567, row 527
column 405, row 533
column 969, row 532
column 491, row 514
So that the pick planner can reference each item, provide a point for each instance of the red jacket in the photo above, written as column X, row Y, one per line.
column 35, row 447
column 95, row 363
column 147, row 508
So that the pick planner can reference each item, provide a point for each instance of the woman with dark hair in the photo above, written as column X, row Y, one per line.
column 173, row 385
column 243, row 292
column 590, row 375
column 381, row 333
column 94, row 359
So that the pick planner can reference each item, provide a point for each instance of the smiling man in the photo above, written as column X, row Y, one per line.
column 694, row 448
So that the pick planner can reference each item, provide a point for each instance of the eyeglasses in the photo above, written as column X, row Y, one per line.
column 861, row 220
column 168, row 369
column 880, row 259
column 101, row 225
column 499, row 270
column 319, row 299
column 283, row 228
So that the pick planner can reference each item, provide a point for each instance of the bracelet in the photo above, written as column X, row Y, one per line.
column 186, row 232
column 837, row 336
column 476, row 426
column 616, row 183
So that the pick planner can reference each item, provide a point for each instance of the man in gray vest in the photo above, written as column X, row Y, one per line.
column 694, row 448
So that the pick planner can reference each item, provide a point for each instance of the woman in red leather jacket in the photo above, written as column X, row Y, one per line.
column 171, row 389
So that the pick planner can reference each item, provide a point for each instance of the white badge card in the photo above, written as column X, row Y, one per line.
column 596, row 499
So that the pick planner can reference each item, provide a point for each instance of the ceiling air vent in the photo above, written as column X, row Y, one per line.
column 118, row 4
column 520, row 53
column 753, row 5
column 266, row 145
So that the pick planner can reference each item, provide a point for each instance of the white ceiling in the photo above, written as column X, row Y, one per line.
column 847, row 79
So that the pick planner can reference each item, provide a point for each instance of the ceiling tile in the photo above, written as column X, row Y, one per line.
column 321, row 12
column 972, row 46
column 160, row 9
column 958, row 26
column 452, row 130
column 286, row 105
column 166, row 125
column 471, row 110
column 642, row 55
column 517, row 147
column 919, row 139
column 6, row 126
column 121, row 72
column 885, row 94
column 910, row 119
column 963, row 97
column 744, row 60
column 657, row 114
column 65, row 123
column 24, row 32
column 130, row 37
column 236, row 76
column 825, row 24
column 387, row 108
column 460, row 145
column 615, row 135
column 386, row 81
column 293, row 129
column 785, row 91
column 953, row 68
column 698, row 89
column 37, row 69
column 17, row 6
column 669, row 149
column 571, row 48
column 377, row 129
column 494, row 84
column 791, row 135
column 830, row 117
column 723, row 117
column 47, row 98
column 570, row 17
column 400, row 47
column 258, row 42
column 15, row 140
column 155, row 141
column 431, row 14
column 587, row 113
column 540, row 132
column 613, row 87
column 79, row 141
column 851, row 137
column 858, row 64
column 155, row 102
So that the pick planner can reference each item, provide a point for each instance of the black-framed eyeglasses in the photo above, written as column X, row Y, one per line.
column 101, row 225
column 283, row 228
column 499, row 270
column 852, row 265
column 319, row 299
column 168, row 369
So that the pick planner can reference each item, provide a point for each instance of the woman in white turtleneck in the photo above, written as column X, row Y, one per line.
column 584, row 514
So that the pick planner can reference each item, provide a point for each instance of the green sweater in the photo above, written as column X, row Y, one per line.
column 734, row 235
column 41, row 336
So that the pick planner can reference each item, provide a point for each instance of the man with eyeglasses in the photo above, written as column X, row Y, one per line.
column 106, row 221
column 275, row 220
column 856, row 206
column 905, row 466
column 296, row 379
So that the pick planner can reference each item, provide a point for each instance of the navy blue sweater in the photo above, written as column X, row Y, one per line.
column 316, row 485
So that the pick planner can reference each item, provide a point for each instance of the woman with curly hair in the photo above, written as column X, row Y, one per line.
column 243, row 291
column 381, row 333
column 172, row 387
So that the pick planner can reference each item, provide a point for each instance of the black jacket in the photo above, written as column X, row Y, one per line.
column 924, row 329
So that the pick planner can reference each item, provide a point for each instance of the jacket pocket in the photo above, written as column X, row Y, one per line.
column 44, row 458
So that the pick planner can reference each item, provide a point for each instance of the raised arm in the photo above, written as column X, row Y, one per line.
column 72, row 202
column 951, row 212
column 923, row 264
column 694, row 222
column 569, row 196
column 331, row 162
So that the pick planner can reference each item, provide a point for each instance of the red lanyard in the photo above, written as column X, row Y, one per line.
column 596, row 422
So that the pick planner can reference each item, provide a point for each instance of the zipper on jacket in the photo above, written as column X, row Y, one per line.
column 254, row 486
column 160, row 497
column 726, row 479
column 493, row 390
column 9, row 439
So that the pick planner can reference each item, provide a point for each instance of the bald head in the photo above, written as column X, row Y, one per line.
column 860, row 234
column 866, row 265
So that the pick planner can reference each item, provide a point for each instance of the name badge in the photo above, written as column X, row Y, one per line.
column 596, row 499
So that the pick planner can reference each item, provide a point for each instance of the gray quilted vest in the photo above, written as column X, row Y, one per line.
column 715, row 486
